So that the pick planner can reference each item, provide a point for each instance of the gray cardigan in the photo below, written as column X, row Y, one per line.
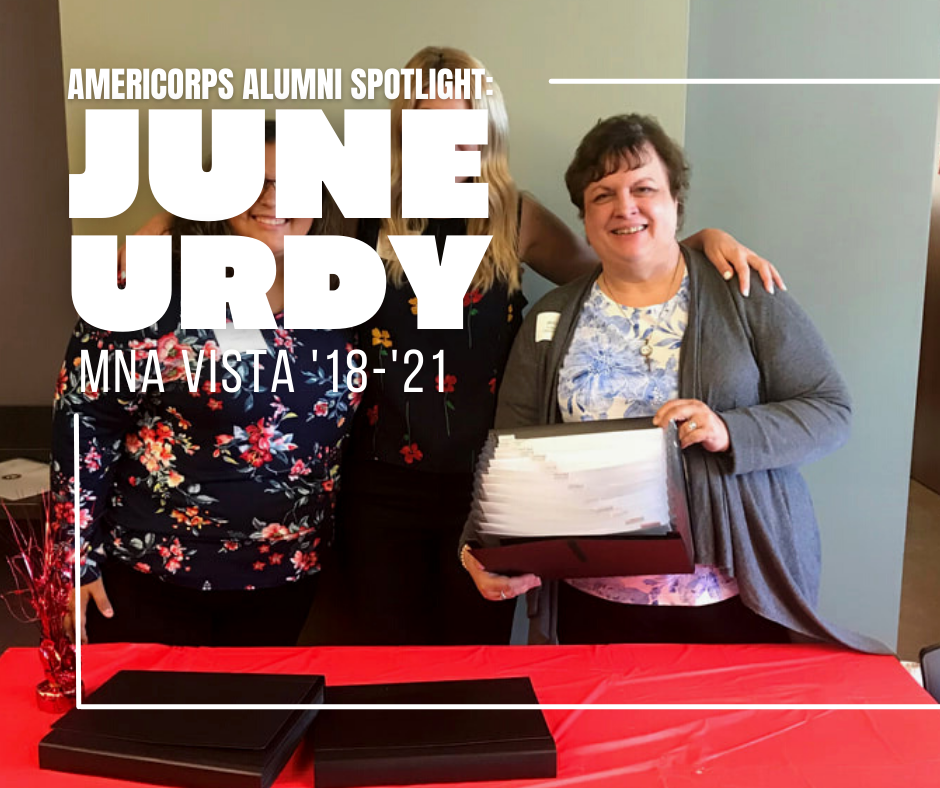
column 760, row 363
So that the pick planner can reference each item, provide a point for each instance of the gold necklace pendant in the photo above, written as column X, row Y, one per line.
column 646, row 349
column 647, row 352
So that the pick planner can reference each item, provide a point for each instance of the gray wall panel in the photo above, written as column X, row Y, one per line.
column 832, row 184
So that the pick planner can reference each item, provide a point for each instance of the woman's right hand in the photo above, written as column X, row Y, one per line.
column 496, row 587
column 94, row 590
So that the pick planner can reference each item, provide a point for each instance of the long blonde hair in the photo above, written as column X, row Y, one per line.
column 501, row 262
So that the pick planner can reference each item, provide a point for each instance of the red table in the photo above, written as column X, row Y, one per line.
column 671, row 748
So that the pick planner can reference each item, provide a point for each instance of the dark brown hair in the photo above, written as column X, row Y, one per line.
column 619, row 141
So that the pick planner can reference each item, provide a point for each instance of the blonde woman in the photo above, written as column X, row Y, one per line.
column 407, row 484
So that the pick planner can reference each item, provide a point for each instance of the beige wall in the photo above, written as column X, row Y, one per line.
column 523, row 43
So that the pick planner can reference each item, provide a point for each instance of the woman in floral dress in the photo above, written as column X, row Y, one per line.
column 205, row 502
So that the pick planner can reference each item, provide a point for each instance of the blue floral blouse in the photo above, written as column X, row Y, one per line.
column 196, row 484
column 605, row 376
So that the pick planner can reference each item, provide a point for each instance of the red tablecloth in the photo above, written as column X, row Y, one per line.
column 626, row 748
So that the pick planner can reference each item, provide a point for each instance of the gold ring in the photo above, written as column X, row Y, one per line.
column 693, row 426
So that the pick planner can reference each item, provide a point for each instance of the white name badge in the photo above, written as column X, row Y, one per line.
column 240, row 340
column 545, row 325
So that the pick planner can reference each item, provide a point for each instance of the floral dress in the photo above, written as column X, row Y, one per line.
column 216, row 477
column 605, row 376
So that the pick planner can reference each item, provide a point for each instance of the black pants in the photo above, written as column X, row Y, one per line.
column 393, row 577
column 148, row 610
column 584, row 618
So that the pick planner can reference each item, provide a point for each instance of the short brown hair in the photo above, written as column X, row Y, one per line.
column 619, row 141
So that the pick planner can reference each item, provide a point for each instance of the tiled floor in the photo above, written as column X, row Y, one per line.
column 920, row 596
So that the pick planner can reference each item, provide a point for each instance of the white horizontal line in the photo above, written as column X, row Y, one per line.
column 510, row 706
column 744, row 81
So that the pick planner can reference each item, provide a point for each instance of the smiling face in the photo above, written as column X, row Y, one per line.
column 630, row 215
column 439, row 103
column 260, row 222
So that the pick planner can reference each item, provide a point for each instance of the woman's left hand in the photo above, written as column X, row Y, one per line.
column 697, row 423
column 731, row 257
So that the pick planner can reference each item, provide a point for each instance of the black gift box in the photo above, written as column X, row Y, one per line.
column 404, row 746
column 190, row 749
column 568, row 556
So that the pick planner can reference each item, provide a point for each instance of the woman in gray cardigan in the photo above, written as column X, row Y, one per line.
column 655, row 331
